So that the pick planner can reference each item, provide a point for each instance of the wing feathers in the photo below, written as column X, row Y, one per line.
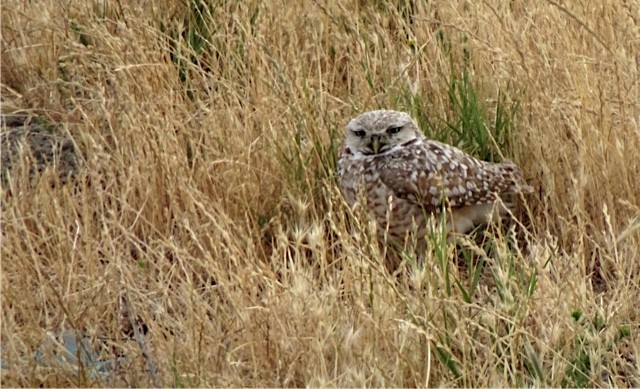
column 427, row 173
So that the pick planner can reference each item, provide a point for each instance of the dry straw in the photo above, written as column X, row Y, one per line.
column 208, row 138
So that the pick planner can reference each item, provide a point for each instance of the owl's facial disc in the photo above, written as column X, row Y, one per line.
column 378, row 131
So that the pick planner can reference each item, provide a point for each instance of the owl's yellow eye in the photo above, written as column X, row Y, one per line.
column 360, row 133
column 393, row 130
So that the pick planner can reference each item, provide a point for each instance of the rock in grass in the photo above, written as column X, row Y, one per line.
column 22, row 138
column 71, row 351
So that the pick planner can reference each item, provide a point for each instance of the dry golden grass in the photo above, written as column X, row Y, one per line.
column 211, row 201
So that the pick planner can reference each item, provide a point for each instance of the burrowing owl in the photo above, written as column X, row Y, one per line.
column 406, row 178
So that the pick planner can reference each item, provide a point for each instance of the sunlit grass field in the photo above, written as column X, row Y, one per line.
column 207, row 198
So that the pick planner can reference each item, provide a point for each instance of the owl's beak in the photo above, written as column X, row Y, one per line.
column 375, row 143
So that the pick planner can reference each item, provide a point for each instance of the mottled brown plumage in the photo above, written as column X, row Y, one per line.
column 406, row 179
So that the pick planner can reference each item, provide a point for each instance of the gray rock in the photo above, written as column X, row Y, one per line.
column 21, row 134
column 62, row 349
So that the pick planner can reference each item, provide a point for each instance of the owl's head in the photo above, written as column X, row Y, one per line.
column 376, row 132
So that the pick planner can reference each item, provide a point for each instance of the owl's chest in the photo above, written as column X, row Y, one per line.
column 363, row 181
column 359, row 180
column 384, row 203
